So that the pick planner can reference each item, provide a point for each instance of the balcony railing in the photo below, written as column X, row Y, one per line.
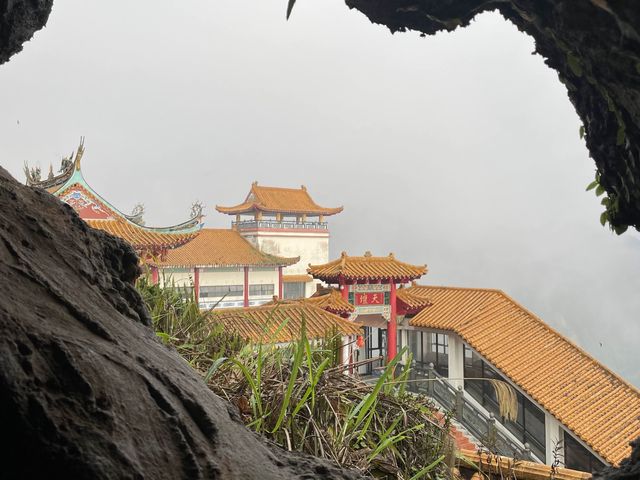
column 255, row 224
column 479, row 424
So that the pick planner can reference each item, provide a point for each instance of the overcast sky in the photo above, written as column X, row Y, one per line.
column 460, row 150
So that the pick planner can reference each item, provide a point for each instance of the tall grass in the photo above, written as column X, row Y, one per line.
column 299, row 397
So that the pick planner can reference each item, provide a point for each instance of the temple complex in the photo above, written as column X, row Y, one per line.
column 285, row 222
column 272, row 268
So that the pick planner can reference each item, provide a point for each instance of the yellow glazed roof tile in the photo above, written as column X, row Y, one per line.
column 140, row 238
column 221, row 247
column 597, row 405
column 279, row 200
column 261, row 323
column 366, row 267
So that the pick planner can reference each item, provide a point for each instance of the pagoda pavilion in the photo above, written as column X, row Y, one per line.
column 72, row 188
column 369, row 284
column 285, row 222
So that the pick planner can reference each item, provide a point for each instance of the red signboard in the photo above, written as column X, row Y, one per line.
column 370, row 298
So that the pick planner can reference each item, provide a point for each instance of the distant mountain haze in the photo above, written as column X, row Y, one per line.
column 459, row 150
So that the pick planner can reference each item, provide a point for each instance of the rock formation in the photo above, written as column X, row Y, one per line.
column 19, row 20
column 86, row 389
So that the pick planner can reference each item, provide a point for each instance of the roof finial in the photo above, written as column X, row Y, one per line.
column 367, row 253
column 391, row 256
column 255, row 183
column 303, row 188
column 79, row 154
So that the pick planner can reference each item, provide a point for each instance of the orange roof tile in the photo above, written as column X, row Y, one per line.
column 279, row 200
column 260, row 323
column 414, row 297
column 330, row 299
column 221, row 247
column 296, row 278
column 366, row 267
column 140, row 238
column 596, row 404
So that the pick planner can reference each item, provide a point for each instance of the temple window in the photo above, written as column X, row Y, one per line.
column 430, row 347
column 293, row 290
column 528, row 427
column 218, row 291
column 261, row 289
column 578, row 457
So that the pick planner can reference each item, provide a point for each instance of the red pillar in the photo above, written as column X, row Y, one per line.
column 155, row 276
column 246, row 286
column 345, row 290
column 392, row 328
column 280, row 284
column 196, row 284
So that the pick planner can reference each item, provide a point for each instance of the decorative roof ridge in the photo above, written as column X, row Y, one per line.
column 191, row 225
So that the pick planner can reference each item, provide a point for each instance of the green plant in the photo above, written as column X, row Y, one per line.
column 299, row 397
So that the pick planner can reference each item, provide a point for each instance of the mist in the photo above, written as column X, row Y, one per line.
column 459, row 150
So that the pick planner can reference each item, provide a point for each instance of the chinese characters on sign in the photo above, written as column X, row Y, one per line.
column 370, row 298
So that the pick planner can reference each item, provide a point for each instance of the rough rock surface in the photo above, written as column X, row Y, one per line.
column 86, row 389
column 19, row 20
column 595, row 48
column 629, row 468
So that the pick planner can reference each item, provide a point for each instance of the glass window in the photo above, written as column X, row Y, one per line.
column 217, row 291
column 293, row 290
column 414, row 339
column 578, row 457
column 261, row 289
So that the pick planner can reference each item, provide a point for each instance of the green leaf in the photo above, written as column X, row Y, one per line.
column 599, row 190
column 604, row 216
column 428, row 468
column 581, row 132
column 620, row 229
column 592, row 185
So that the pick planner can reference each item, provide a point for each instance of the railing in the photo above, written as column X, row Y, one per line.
column 425, row 380
column 251, row 224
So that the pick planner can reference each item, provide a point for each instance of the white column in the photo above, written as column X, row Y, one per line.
column 456, row 360
column 404, row 335
column 346, row 352
column 552, row 437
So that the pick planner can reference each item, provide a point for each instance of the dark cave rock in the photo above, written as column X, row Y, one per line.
column 86, row 389
column 595, row 48
column 19, row 20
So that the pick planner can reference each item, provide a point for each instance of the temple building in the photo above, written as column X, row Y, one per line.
column 370, row 284
column 569, row 408
column 71, row 187
column 285, row 222
column 222, row 270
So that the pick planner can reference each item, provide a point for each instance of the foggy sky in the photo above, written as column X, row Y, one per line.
column 460, row 150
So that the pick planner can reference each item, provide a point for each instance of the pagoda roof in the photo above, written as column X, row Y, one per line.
column 72, row 188
column 218, row 247
column 295, row 201
column 260, row 323
column 331, row 300
column 414, row 298
column 597, row 405
column 367, row 267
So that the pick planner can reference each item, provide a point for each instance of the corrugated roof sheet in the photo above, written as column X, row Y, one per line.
column 218, row 248
column 260, row 323
column 366, row 267
column 596, row 404
column 279, row 200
